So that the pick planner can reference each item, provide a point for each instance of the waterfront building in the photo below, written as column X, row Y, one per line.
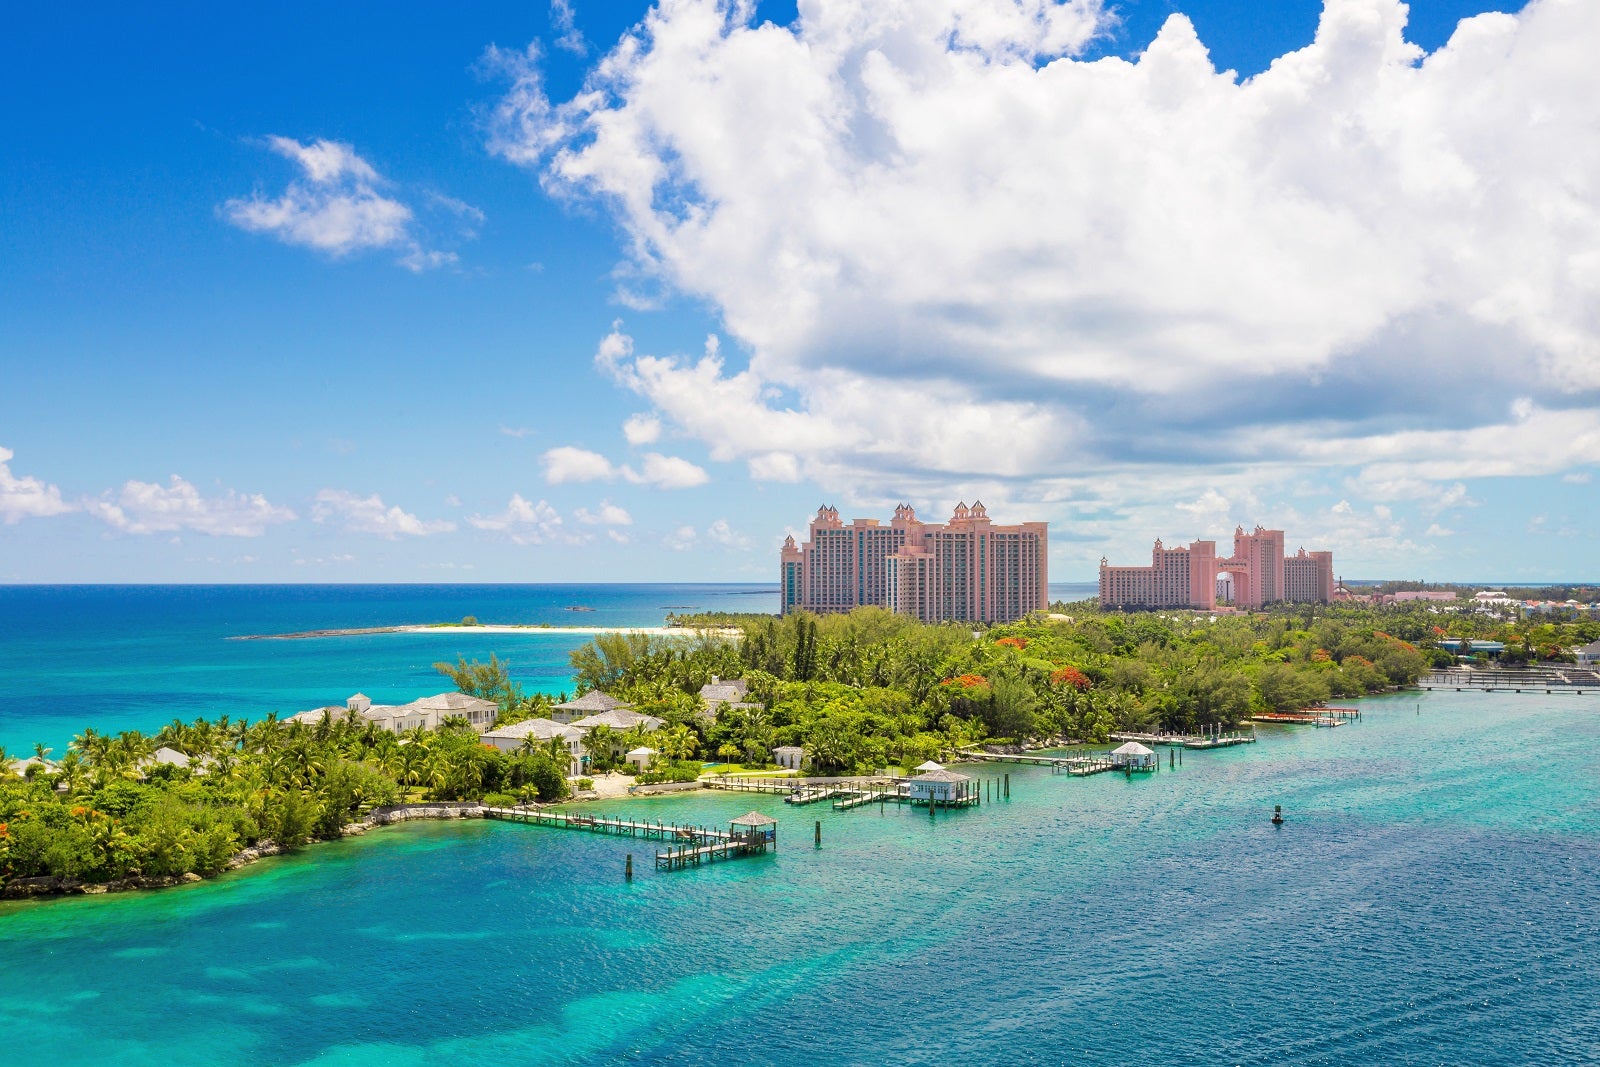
column 967, row 569
column 512, row 738
column 1588, row 655
column 941, row 787
column 1190, row 576
column 619, row 719
column 789, row 757
column 640, row 758
column 426, row 713
column 1134, row 755
column 718, row 692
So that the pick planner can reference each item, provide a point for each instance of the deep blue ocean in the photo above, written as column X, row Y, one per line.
column 1434, row 898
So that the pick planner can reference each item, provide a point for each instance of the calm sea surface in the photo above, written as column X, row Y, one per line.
column 1433, row 899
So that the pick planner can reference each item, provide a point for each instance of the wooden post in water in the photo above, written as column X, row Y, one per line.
column 819, row 833
column 1008, row 785
column 627, row 872
column 1172, row 758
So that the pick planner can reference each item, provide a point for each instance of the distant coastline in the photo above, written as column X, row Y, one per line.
column 486, row 628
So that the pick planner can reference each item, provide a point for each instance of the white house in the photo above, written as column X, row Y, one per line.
column 619, row 719
column 1134, row 755
column 1588, row 655
column 717, row 692
column 479, row 712
column 641, row 757
column 511, row 739
column 789, row 756
column 940, row 786
column 593, row 702
column 21, row 767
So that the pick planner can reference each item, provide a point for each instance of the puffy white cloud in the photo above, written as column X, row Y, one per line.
column 369, row 514
column 641, row 429
column 569, row 464
column 607, row 514
column 147, row 507
column 954, row 251
column 682, row 539
column 524, row 523
column 26, row 497
column 719, row 532
column 339, row 206
column 669, row 472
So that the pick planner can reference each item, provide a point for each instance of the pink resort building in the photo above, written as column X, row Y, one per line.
column 1194, row 576
column 967, row 569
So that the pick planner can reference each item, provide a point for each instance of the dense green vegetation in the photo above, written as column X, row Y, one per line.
column 858, row 691
column 868, row 689
column 111, row 813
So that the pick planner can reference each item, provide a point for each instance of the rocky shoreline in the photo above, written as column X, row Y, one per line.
column 50, row 886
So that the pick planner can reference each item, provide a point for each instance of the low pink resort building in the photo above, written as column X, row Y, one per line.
column 1190, row 576
column 967, row 569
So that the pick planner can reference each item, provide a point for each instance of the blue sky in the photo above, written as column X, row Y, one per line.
column 369, row 292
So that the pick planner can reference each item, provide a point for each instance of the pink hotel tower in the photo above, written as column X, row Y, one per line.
column 968, row 569
column 1258, row 572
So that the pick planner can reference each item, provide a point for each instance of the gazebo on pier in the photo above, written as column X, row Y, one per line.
column 1133, row 756
column 753, row 832
column 943, row 788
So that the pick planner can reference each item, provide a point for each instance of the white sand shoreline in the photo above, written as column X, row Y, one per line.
column 437, row 629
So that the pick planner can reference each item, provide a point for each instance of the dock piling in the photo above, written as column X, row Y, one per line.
column 627, row 872
column 819, row 833
column 1008, row 785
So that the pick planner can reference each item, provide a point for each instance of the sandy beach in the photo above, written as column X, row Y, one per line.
column 448, row 628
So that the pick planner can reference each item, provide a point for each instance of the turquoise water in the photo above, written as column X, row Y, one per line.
column 1431, row 900
column 136, row 657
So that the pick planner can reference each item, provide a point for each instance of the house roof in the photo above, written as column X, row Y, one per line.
column 789, row 748
column 1593, row 648
column 171, row 756
column 618, row 719
column 755, row 818
column 541, row 729
column 1133, row 748
column 593, row 701
column 941, row 775
column 453, row 702
column 724, row 691
column 930, row 766
column 642, row 751
column 21, row 766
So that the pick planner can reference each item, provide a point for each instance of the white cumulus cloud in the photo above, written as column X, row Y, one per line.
column 26, row 497
column 947, row 246
column 339, row 205
column 570, row 464
column 720, row 532
column 369, row 514
column 607, row 514
column 641, row 429
column 523, row 522
column 149, row 507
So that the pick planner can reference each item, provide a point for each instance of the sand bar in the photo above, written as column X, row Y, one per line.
column 529, row 628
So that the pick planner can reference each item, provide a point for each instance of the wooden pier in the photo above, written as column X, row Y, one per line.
column 690, row 846
column 1548, row 680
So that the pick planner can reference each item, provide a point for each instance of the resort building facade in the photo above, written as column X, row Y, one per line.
column 967, row 569
column 1194, row 576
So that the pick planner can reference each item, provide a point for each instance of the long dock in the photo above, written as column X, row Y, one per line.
column 600, row 824
column 1549, row 681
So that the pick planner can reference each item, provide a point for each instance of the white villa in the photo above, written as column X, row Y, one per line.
column 619, row 719
column 641, row 757
column 789, row 756
column 1588, row 655
column 717, row 692
column 427, row 712
column 511, row 739
column 593, row 702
